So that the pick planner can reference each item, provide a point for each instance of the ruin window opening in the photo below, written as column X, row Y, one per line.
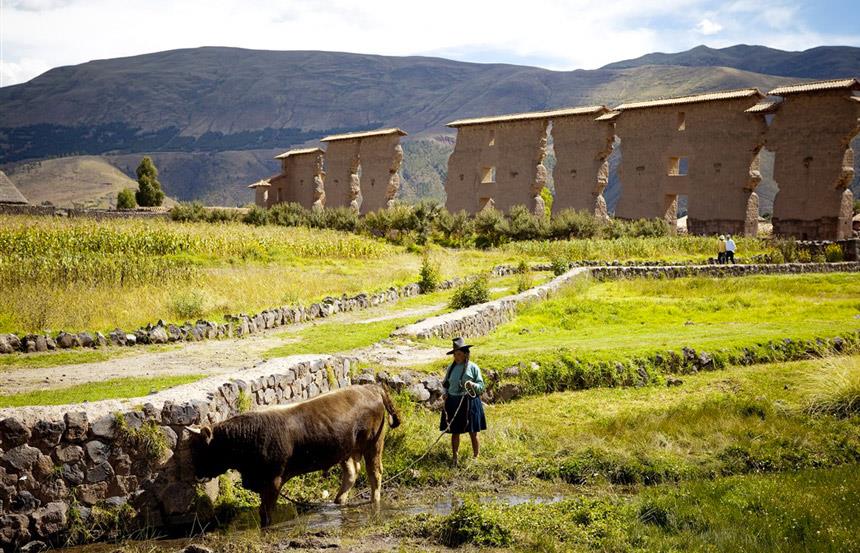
column 483, row 203
column 278, row 196
column 768, row 118
column 681, row 212
column 678, row 166
column 682, row 121
column 492, row 138
column 488, row 175
column 372, row 182
column 614, row 186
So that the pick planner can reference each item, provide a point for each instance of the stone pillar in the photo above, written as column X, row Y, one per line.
column 319, row 184
column 394, row 176
column 539, row 207
column 355, row 184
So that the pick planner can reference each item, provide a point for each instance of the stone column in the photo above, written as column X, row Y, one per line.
column 539, row 208
column 394, row 176
column 355, row 184
column 319, row 185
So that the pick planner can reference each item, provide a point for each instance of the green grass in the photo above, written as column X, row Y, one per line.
column 609, row 320
column 335, row 338
column 74, row 356
column 119, row 388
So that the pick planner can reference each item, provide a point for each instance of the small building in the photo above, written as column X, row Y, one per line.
column 363, row 169
column 261, row 192
column 9, row 193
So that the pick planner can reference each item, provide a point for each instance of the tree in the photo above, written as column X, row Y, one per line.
column 149, row 192
column 125, row 199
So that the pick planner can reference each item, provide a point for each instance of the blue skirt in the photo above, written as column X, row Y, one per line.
column 469, row 418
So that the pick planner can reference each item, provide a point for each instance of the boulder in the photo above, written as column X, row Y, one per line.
column 22, row 457
column 14, row 530
column 65, row 340
column 97, row 451
column 50, row 519
column 100, row 473
column 117, row 337
column 158, row 335
column 77, row 426
column 24, row 503
column 104, row 427
column 13, row 432
column 48, row 433
column 9, row 343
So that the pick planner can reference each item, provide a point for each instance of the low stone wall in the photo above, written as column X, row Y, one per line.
column 59, row 464
column 236, row 325
column 481, row 319
column 679, row 271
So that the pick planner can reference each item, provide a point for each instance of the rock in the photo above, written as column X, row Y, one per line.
column 100, row 473
column 97, row 451
column 50, row 519
column 130, row 340
column 512, row 372
column 104, row 427
column 77, row 426
column 43, row 468
column 705, row 361
column 52, row 345
column 48, row 433
column 117, row 337
column 9, row 343
column 101, row 341
column 365, row 378
column 508, row 392
column 65, row 340
column 72, row 473
column 24, row 503
column 91, row 494
column 54, row 489
column 34, row 546
column 194, row 548
column 13, row 432
column 418, row 392
column 14, row 530
column 181, row 414
column 22, row 457
column 673, row 381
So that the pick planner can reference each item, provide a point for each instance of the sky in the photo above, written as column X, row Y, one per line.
column 37, row 35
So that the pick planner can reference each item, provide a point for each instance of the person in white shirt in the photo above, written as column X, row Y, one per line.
column 730, row 249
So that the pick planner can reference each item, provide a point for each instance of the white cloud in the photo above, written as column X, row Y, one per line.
column 708, row 27
column 38, row 5
column 21, row 71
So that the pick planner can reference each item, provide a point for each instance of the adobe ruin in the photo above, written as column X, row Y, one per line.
column 702, row 146
column 811, row 134
column 301, row 179
column 363, row 169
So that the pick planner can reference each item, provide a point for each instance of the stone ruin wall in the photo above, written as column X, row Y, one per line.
column 342, row 161
column 811, row 136
column 57, row 464
column 300, row 176
column 514, row 149
column 582, row 147
column 381, row 157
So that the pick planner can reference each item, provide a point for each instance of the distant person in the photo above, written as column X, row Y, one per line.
column 730, row 249
column 721, row 250
column 463, row 411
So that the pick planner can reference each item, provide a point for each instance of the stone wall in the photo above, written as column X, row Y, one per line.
column 381, row 157
column 57, row 464
column 811, row 135
column 497, row 164
column 140, row 213
column 342, row 162
column 481, row 319
column 680, row 271
column 298, row 179
column 582, row 146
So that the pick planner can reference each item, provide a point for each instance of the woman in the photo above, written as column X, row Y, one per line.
column 463, row 411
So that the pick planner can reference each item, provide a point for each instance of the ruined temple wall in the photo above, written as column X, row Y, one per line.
column 340, row 158
column 381, row 157
column 514, row 150
column 296, row 181
column 813, row 167
column 719, row 142
column 582, row 146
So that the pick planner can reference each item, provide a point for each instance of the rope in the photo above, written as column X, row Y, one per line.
column 470, row 392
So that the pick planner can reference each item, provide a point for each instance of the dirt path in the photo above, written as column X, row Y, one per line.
column 214, row 357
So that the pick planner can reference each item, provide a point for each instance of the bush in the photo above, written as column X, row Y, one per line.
column 188, row 213
column 429, row 276
column 288, row 215
column 574, row 224
column 339, row 218
column 188, row 305
column 788, row 248
column 453, row 229
column 471, row 524
column 257, row 216
column 559, row 265
column 804, row 256
column 548, row 199
column 125, row 199
column 491, row 228
column 525, row 225
column 471, row 293
column 525, row 279
column 833, row 253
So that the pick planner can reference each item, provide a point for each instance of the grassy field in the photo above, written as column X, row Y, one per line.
column 623, row 319
column 118, row 388
column 744, row 459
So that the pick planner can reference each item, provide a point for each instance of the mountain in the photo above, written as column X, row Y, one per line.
column 824, row 62
column 212, row 118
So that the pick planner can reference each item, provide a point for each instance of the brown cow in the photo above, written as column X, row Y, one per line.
column 271, row 446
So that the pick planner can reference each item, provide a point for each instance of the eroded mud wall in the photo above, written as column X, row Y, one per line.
column 582, row 147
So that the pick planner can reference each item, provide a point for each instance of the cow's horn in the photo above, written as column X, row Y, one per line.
column 195, row 429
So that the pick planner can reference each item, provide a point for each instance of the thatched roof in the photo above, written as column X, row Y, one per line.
column 765, row 106
column 259, row 183
column 833, row 84
column 9, row 194
column 531, row 115
column 299, row 152
column 363, row 134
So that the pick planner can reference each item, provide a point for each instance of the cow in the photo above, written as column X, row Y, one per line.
column 271, row 446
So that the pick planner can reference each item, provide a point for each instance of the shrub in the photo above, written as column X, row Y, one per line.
column 429, row 276
column 288, row 215
column 469, row 523
column 546, row 195
column 188, row 212
column 491, row 228
column 340, row 218
column 646, row 228
column 257, row 216
column 471, row 293
column 574, row 224
column 525, row 225
column 125, row 199
column 525, row 279
column 559, row 265
column 804, row 256
column 453, row 229
column 149, row 192
column 833, row 253
column 788, row 248
column 188, row 305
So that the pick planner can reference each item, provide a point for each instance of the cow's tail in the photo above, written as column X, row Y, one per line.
column 394, row 420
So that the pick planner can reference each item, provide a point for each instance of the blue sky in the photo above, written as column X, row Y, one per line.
column 37, row 35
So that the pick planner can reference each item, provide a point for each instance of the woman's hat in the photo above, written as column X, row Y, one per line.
column 461, row 344
column 722, row 237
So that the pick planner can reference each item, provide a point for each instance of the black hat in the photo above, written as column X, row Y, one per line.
column 459, row 343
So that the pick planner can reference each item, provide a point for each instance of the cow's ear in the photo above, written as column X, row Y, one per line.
column 206, row 432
